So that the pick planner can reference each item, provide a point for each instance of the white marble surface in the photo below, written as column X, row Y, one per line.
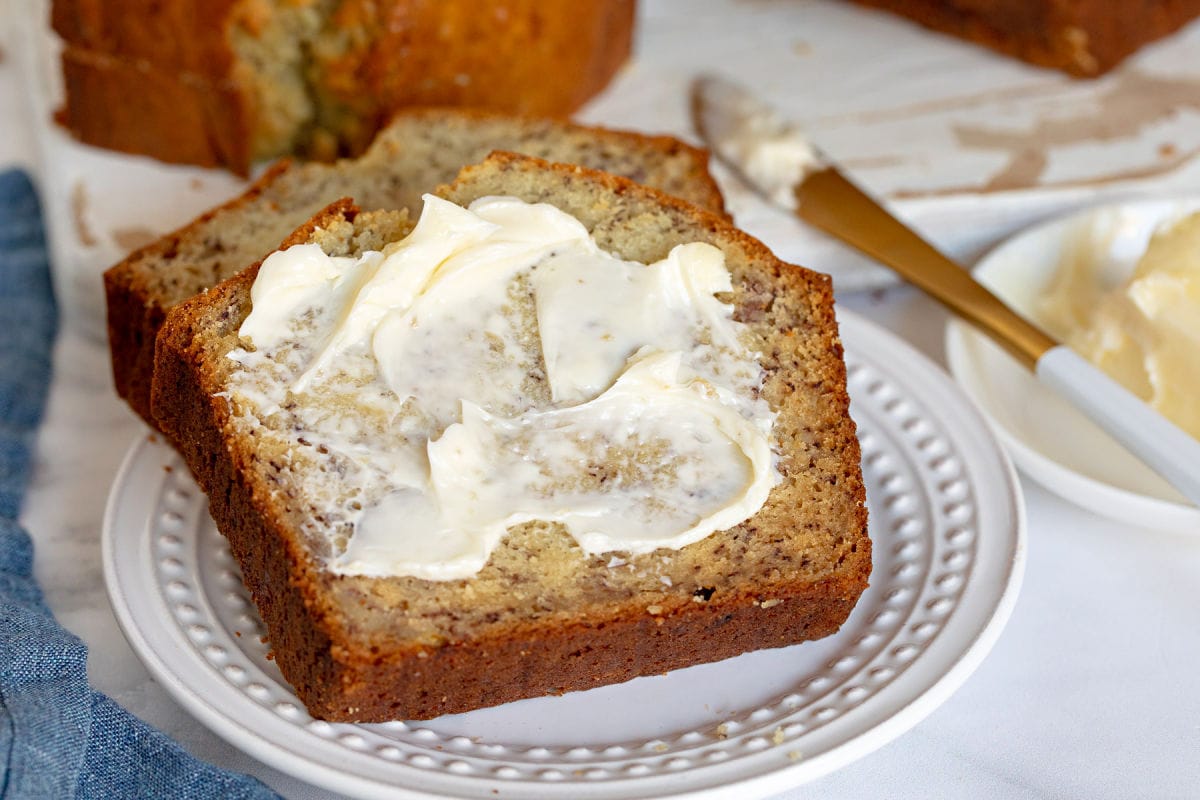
column 1092, row 690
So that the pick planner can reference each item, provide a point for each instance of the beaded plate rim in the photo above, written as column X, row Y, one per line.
column 940, row 594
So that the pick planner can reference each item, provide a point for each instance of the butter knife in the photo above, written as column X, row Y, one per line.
column 774, row 157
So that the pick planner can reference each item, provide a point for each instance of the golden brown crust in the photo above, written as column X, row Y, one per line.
column 280, row 576
column 342, row 672
column 131, row 107
column 1082, row 37
column 182, row 36
column 419, row 149
column 537, row 57
column 564, row 657
column 224, row 83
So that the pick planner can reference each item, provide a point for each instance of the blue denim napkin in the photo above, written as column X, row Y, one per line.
column 58, row 737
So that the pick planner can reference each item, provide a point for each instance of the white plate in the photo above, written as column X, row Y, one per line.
column 947, row 523
column 1048, row 438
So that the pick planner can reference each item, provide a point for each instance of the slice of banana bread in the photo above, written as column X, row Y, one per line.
column 418, row 151
column 541, row 617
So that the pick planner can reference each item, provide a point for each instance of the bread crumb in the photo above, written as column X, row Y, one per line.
column 661, row 747
column 322, row 145
column 778, row 736
column 653, row 609
column 1079, row 49
column 795, row 755
column 770, row 603
column 130, row 239
column 79, row 207
column 723, row 731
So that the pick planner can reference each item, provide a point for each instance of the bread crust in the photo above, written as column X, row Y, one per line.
column 182, row 36
column 185, row 82
column 345, row 674
column 131, row 107
column 1084, row 38
column 281, row 577
column 135, row 311
column 138, row 294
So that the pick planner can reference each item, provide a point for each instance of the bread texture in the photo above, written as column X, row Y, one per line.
column 230, row 82
column 417, row 152
column 541, row 617
column 1084, row 38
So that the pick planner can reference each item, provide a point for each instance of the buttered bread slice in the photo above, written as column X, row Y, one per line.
column 562, row 431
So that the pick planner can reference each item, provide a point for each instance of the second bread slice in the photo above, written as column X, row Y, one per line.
column 416, row 152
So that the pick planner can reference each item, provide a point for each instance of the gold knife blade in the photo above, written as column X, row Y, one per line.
column 776, row 159
column 831, row 202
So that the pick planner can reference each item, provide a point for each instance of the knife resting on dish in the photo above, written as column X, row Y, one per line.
column 775, row 159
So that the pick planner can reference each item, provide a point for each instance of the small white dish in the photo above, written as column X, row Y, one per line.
column 1049, row 439
column 948, row 541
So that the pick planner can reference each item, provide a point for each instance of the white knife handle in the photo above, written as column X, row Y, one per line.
column 1166, row 448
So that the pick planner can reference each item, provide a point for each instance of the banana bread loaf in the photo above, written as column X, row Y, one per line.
column 1081, row 37
column 231, row 82
column 542, row 616
column 419, row 150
